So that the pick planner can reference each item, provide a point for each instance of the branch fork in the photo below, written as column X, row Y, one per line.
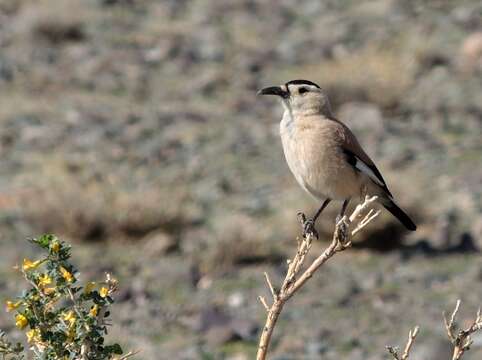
column 412, row 334
column 295, row 278
column 461, row 340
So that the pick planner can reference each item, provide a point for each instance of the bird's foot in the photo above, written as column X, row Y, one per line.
column 341, row 227
column 308, row 226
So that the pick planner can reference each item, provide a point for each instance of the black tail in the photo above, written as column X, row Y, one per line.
column 399, row 214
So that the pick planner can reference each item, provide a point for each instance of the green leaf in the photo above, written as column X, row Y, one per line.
column 45, row 240
column 114, row 349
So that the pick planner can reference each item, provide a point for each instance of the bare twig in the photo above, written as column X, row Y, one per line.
column 450, row 324
column 461, row 340
column 412, row 334
column 295, row 279
column 129, row 354
column 271, row 288
column 263, row 301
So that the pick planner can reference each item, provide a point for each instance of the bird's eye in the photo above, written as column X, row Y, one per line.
column 303, row 90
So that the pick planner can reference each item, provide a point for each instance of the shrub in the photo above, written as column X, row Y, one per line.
column 61, row 318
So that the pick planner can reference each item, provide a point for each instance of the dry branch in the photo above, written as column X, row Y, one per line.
column 129, row 354
column 295, row 279
column 412, row 334
column 461, row 340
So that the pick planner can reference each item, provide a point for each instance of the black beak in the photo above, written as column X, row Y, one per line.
column 274, row 90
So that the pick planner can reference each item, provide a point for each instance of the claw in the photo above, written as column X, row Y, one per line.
column 309, row 228
column 342, row 227
column 308, row 225
column 301, row 217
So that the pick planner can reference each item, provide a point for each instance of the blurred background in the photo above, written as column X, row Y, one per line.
column 131, row 129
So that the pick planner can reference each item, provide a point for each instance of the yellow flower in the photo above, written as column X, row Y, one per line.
column 43, row 280
column 104, row 292
column 66, row 274
column 55, row 247
column 48, row 291
column 94, row 310
column 71, row 334
column 89, row 287
column 33, row 335
column 29, row 265
column 70, row 317
column 20, row 321
column 11, row 305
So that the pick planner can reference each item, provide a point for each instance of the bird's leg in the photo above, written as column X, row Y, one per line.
column 322, row 207
column 342, row 224
column 309, row 224
column 342, row 212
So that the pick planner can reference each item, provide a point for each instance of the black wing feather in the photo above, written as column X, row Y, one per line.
column 352, row 159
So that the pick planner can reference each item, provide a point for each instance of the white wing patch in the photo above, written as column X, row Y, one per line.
column 370, row 171
column 360, row 165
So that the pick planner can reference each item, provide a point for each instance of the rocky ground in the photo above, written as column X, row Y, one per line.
column 131, row 128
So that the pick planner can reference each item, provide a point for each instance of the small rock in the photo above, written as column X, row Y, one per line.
column 159, row 243
column 244, row 328
column 158, row 53
column 220, row 335
column 235, row 300
column 220, row 327
column 205, row 282
column 212, row 316
column 238, row 356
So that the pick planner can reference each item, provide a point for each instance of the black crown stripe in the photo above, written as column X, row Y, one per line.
column 302, row 82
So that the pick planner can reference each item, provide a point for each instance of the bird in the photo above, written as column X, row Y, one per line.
column 324, row 155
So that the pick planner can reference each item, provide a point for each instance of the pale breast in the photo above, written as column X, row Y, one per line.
column 315, row 158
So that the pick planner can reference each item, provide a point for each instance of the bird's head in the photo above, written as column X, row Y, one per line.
column 301, row 97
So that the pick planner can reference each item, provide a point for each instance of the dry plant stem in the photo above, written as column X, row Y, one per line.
column 129, row 354
column 293, row 282
column 412, row 334
column 462, row 339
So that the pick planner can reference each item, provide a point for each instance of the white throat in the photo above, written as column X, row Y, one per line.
column 287, row 122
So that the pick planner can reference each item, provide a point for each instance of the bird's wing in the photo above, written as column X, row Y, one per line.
column 368, row 169
column 357, row 157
